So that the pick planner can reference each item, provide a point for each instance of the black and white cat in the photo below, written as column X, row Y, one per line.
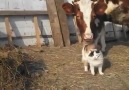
column 94, row 58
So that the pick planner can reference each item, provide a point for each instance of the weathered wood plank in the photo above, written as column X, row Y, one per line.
column 23, row 5
column 63, row 22
column 37, row 31
column 35, row 5
column 15, row 5
column 9, row 31
column 54, row 21
column 45, row 28
column 3, row 5
column 18, row 12
column 22, row 26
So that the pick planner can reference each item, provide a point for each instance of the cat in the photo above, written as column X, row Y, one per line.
column 94, row 57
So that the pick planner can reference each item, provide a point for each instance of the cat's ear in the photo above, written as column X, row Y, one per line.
column 91, row 54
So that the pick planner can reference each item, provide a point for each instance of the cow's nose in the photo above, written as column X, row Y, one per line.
column 88, row 36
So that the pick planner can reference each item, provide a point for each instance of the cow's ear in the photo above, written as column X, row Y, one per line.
column 68, row 8
column 100, row 8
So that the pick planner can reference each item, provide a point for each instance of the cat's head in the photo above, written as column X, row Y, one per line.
column 95, row 53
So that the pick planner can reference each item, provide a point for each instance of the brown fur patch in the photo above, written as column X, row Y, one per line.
column 68, row 8
column 100, row 7
column 88, row 47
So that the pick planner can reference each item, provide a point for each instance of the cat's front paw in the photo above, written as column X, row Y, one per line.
column 101, row 73
column 86, row 68
column 93, row 73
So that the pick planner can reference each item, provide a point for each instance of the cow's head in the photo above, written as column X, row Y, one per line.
column 82, row 10
column 85, row 11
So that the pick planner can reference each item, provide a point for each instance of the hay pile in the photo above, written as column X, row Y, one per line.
column 19, row 70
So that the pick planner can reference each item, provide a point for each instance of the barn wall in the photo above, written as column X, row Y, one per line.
column 117, row 28
column 23, row 31
column 23, row 5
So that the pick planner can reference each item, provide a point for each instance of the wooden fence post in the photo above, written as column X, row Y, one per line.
column 54, row 21
column 63, row 22
column 8, row 30
column 37, row 31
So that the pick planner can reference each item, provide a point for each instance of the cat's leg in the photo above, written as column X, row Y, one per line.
column 92, row 70
column 85, row 65
column 100, row 70
column 84, row 59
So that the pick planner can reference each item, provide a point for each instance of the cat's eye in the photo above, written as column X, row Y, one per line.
column 91, row 53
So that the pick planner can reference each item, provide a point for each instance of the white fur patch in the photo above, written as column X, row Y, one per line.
column 111, row 7
column 85, row 7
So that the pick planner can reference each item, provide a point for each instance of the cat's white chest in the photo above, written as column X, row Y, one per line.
column 94, row 61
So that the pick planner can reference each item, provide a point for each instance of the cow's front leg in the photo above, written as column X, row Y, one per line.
column 103, row 42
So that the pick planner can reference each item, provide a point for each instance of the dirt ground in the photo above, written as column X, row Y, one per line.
column 64, row 69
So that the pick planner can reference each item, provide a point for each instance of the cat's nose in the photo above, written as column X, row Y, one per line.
column 95, row 58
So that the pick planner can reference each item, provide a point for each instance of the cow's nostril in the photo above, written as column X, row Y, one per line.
column 88, row 36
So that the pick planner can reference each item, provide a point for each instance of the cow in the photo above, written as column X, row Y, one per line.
column 118, row 9
column 89, row 19
column 113, row 4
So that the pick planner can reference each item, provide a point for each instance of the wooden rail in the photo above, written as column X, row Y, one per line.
column 37, row 31
column 18, row 13
column 8, row 30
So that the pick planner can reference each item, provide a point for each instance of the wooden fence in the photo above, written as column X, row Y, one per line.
column 57, row 18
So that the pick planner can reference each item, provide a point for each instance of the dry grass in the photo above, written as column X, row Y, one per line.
column 65, row 69
column 12, row 74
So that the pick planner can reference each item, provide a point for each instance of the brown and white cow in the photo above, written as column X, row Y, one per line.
column 118, row 9
column 89, row 18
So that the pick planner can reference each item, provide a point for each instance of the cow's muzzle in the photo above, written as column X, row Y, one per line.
column 88, row 36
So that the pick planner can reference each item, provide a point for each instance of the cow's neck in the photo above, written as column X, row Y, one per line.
column 85, row 7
